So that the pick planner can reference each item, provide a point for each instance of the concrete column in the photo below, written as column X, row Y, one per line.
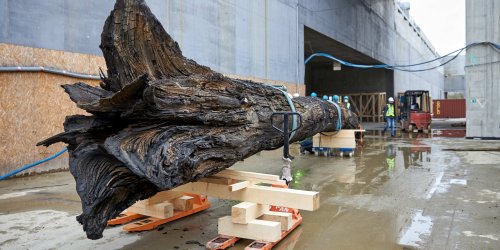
column 482, row 70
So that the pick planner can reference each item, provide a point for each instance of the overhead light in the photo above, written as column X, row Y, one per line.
column 337, row 66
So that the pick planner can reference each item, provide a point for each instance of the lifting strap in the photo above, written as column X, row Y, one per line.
column 294, row 117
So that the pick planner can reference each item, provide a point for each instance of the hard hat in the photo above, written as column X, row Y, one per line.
column 391, row 99
column 313, row 94
column 335, row 98
column 325, row 97
column 346, row 97
column 296, row 95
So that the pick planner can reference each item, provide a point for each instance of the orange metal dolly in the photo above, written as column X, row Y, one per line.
column 200, row 203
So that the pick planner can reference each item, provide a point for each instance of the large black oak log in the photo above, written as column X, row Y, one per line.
column 160, row 120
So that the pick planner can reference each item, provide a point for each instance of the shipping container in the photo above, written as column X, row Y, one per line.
column 448, row 108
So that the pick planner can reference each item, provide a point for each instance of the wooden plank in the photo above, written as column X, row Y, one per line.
column 269, row 231
column 285, row 219
column 239, row 185
column 245, row 212
column 161, row 210
column 163, row 196
column 250, row 176
column 183, row 203
column 299, row 199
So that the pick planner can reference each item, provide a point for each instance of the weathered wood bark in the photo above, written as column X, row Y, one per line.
column 160, row 120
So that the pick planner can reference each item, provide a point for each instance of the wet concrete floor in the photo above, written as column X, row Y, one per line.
column 395, row 193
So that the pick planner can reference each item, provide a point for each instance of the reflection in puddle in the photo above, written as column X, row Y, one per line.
column 18, row 194
column 487, row 236
column 450, row 133
column 420, row 227
column 459, row 182
column 435, row 185
column 374, row 163
column 454, row 133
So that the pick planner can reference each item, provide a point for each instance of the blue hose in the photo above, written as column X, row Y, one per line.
column 403, row 67
column 339, row 111
column 6, row 176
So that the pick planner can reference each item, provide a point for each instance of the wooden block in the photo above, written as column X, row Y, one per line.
column 245, row 212
column 239, row 185
column 285, row 219
column 183, row 203
column 342, row 139
column 163, row 196
column 269, row 231
column 299, row 199
column 161, row 210
column 250, row 176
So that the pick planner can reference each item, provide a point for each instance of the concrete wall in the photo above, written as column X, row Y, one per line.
column 255, row 38
column 482, row 70
column 258, row 38
column 454, row 78
column 411, row 46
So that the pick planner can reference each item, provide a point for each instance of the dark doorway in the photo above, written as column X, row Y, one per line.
column 320, row 76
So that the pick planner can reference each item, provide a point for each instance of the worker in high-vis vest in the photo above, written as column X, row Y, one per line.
column 389, row 116
column 346, row 103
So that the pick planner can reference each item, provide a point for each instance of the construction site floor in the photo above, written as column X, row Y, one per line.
column 395, row 193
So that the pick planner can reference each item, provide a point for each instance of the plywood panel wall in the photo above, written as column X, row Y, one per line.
column 32, row 107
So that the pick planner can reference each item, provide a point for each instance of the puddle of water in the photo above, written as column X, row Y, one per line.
column 450, row 133
column 458, row 182
column 487, row 236
column 420, row 227
column 435, row 185
column 18, row 194
column 49, row 229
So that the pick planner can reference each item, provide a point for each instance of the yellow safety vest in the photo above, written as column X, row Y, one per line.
column 391, row 162
column 390, row 110
column 348, row 105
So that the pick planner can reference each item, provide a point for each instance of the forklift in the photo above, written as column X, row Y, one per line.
column 415, row 111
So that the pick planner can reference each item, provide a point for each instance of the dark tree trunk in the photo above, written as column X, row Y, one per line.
column 160, row 120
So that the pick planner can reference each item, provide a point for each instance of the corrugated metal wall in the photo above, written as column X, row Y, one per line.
column 449, row 108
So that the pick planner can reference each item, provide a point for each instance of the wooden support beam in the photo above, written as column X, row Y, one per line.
column 183, row 203
column 299, row 199
column 285, row 219
column 161, row 210
column 239, row 185
column 217, row 180
column 269, row 231
column 250, row 176
column 163, row 196
column 245, row 212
